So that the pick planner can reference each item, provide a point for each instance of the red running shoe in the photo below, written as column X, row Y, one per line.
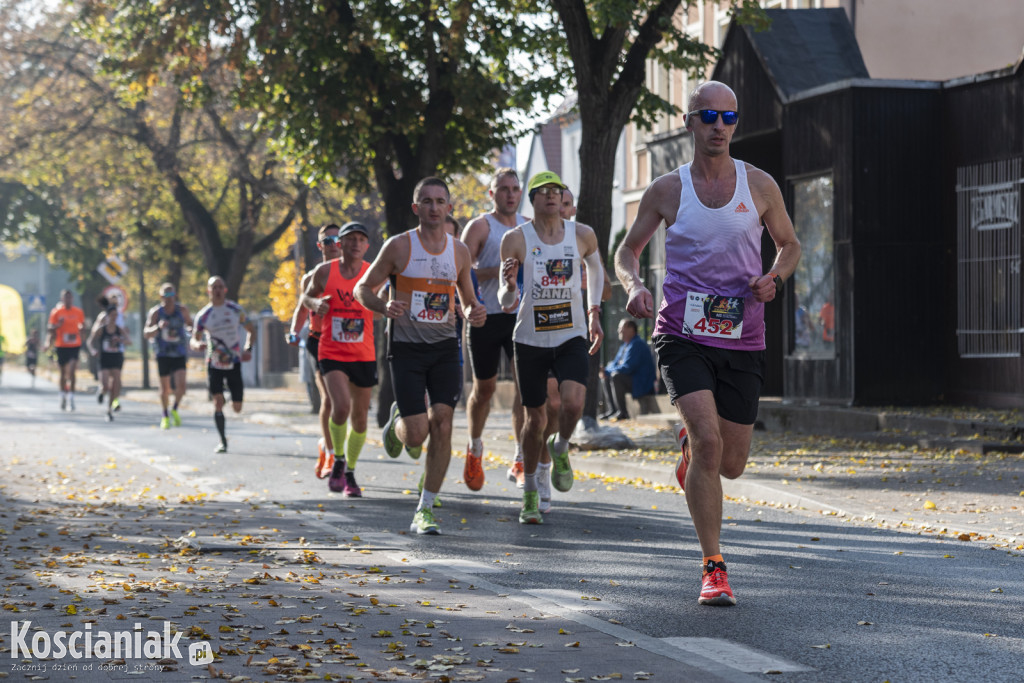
column 473, row 471
column 684, row 458
column 516, row 474
column 714, row 587
column 324, row 462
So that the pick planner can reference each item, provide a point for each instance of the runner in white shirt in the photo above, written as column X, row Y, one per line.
column 217, row 331
column 551, row 332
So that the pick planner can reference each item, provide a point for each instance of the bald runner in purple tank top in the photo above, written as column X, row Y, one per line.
column 709, row 333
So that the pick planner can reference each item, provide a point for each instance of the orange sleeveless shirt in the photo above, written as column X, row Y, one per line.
column 346, row 332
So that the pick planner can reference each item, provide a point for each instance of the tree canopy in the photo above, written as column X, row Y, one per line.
column 151, row 170
column 368, row 92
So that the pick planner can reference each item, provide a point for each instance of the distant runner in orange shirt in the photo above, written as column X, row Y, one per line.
column 65, row 333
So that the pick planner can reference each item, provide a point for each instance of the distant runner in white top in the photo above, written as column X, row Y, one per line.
column 216, row 331
column 483, row 238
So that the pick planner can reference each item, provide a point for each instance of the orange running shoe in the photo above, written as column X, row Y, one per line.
column 473, row 471
column 714, row 588
column 324, row 462
column 684, row 458
column 516, row 474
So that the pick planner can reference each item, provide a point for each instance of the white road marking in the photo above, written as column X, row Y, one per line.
column 736, row 656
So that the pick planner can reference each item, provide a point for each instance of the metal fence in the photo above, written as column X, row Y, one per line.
column 989, row 259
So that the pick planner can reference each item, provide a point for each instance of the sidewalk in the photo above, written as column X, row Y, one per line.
column 935, row 470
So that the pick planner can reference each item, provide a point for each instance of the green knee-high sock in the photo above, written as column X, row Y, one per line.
column 338, row 432
column 354, row 447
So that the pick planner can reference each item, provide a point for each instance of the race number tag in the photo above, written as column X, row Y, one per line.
column 429, row 307
column 70, row 337
column 222, row 359
column 552, row 272
column 347, row 330
column 171, row 334
column 552, row 317
column 709, row 315
column 111, row 345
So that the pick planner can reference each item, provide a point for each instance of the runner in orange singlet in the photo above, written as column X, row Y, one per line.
column 65, row 333
column 348, row 359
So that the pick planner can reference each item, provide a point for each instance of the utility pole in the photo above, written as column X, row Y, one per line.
column 142, row 317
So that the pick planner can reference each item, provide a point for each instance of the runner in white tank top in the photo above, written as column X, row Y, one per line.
column 549, row 333
column 486, row 344
column 710, row 329
column 426, row 357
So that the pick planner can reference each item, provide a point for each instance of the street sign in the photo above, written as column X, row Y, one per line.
column 112, row 269
column 118, row 295
column 36, row 303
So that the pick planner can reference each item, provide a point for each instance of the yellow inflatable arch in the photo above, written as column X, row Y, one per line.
column 12, row 320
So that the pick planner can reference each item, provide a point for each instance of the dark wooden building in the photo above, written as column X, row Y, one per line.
column 906, row 198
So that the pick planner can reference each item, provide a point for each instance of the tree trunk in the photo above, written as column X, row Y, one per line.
column 595, row 210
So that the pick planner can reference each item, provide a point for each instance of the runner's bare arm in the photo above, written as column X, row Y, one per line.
column 186, row 316
column 474, row 237
column 152, row 327
column 90, row 343
column 394, row 251
column 586, row 242
column 300, row 313
column 312, row 293
column 474, row 311
column 655, row 207
column 772, row 210
column 197, row 342
column 513, row 251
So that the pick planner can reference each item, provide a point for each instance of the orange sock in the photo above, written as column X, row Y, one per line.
column 713, row 558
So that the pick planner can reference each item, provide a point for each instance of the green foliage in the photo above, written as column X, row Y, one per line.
column 365, row 92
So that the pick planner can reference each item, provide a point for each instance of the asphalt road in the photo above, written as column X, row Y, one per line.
column 615, row 566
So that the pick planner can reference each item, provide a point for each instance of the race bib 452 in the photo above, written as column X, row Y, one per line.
column 710, row 315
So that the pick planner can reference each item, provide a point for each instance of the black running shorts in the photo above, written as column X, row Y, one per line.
column 733, row 377
column 488, row 341
column 362, row 373
column 66, row 354
column 111, row 361
column 233, row 378
column 569, row 361
column 313, row 347
column 431, row 368
column 168, row 365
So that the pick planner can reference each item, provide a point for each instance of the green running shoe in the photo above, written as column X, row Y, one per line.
column 415, row 452
column 392, row 445
column 561, row 470
column 175, row 418
column 424, row 523
column 530, row 514
column 165, row 423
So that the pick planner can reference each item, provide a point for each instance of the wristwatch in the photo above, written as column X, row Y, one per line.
column 778, row 283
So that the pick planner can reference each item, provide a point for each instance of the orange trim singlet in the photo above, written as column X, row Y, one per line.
column 346, row 332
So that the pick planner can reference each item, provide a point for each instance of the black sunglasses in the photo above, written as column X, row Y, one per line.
column 330, row 239
column 709, row 116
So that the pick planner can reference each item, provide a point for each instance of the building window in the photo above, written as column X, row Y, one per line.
column 989, row 259
column 813, row 319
